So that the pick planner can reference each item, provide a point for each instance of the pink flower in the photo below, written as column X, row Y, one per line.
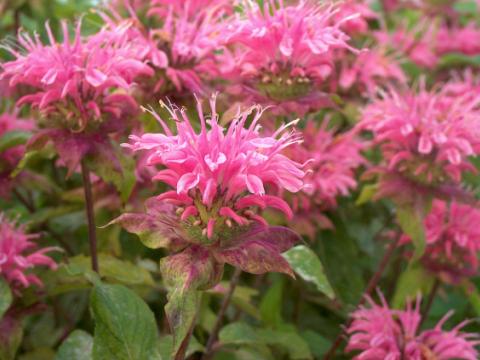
column 332, row 159
column 190, row 36
column 351, row 9
column 79, row 84
column 9, row 158
column 465, row 40
column 220, row 174
column 453, row 240
column 284, row 54
column 427, row 136
column 18, row 256
column 379, row 332
column 369, row 70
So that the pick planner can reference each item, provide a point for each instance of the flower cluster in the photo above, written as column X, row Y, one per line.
column 285, row 55
column 78, row 85
column 453, row 241
column 18, row 256
column 220, row 174
column 332, row 160
column 379, row 332
column 427, row 136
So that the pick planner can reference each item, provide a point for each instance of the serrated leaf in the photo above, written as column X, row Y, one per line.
column 13, row 138
column 125, row 327
column 78, row 346
column 307, row 264
column 5, row 297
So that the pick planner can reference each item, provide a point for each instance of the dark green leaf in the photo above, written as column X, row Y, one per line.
column 125, row 327
column 5, row 297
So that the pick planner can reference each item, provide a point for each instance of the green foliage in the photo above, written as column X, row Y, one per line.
column 5, row 297
column 125, row 327
column 78, row 346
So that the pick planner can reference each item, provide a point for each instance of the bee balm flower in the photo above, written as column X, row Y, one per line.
column 284, row 54
column 379, row 332
column 18, row 256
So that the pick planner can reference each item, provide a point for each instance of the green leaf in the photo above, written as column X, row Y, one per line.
column 411, row 222
column 165, row 347
column 271, row 304
column 78, row 346
column 5, row 297
column 24, row 161
column 367, row 193
column 291, row 341
column 125, row 327
column 13, row 138
column 472, row 294
column 306, row 264
column 181, row 311
column 411, row 282
column 238, row 333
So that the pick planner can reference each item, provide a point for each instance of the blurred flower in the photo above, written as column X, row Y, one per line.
column 283, row 55
column 359, row 13
column 427, row 136
column 369, row 70
column 218, row 174
column 332, row 159
column 379, row 332
column 18, row 256
column 453, row 241
column 10, row 157
column 464, row 40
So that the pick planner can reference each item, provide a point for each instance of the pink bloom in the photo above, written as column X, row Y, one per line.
column 10, row 157
column 453, row 240
column 78, row 85
column 465, row 40
column 370, row 69
column 351, row 9
column 218, row 173
column 283, row 55
column 18, row 256
column 190, row 36
column 427, row 136
column 332, row 159
column 379, row 332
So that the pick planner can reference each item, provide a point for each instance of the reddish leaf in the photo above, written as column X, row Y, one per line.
column 259, row 250
column 193, row 268
column 158, row 227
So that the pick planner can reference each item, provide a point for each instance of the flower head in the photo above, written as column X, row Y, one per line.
column 78, row 85
column 464, row 40
column 379, row 332
column 332, row 159
column 18, row 256
column 453, row 240
column 217, row 173
column 284, row 54
column 427, row 136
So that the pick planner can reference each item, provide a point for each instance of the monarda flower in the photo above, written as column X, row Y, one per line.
column 426, row 137
column 453, row 240
column 283, row 55
column 463, row 40
column 378, row 332
column 81, row 88
column 221, row 178
column 18, row 256
column 11, row 155
column 190, row 37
